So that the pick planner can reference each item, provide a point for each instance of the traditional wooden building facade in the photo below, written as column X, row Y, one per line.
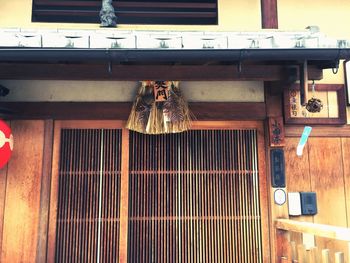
column 81, row 187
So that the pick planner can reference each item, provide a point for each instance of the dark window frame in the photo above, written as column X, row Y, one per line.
column 161, row 12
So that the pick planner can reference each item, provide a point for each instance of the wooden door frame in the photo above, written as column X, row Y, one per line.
column 112, row 124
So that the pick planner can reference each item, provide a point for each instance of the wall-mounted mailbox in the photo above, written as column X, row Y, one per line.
column 277, row 168
column 308, row 203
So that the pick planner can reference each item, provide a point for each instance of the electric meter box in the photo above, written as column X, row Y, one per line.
column 308, row 203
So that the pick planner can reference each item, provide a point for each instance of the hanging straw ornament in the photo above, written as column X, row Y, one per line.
column 176, row 113
column 141, row 109
column 159, row 108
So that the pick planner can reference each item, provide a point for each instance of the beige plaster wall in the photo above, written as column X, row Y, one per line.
column 234, row 15
column 331, row 16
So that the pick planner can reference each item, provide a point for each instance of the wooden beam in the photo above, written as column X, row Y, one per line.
column 269, row 17
column 121, row 110
column 44, row 71
column 318, row 131
column 327, row 231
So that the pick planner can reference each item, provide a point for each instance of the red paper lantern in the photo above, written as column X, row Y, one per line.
column 6, row 143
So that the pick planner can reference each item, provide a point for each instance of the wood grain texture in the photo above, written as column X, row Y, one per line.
column 121, row 110
column 124, row 197
column 269, row 17
column 346, row 165
column 21, row 218
column 297, row 176
column 326, row 170
column 141, row 72
column 297, row 167
column 264, row 194
column 54, row 193
column 45, row 192
column 319, row 131
column 323, row 168
column 327, row 180
column 321, row 230
column 3, row 179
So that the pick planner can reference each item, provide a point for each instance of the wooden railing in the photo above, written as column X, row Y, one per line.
column 293, row 251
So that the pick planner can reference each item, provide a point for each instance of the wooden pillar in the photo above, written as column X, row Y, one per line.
column 273, row 100
column 269, row 18
column 45, row 192
column 124, row 196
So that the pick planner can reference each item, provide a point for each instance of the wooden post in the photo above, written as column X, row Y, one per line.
column 325, row 256
column 312, row 255
column 294, row 251
column 339, row 257
column 124, row 195
column 303, row 83
column 45, row 192
column 273, row 100
column 301, row 254
column 282, row 244
column 269, row 18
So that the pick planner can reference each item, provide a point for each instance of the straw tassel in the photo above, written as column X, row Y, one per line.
column 159, row 108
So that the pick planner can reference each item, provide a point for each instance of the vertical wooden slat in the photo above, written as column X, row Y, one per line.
column 91, row 177
column 53, row 231
column 325, row 256
column 339, row 257
column 124, row 195
column 301, row 253
column 198, row 195
column 44, row 193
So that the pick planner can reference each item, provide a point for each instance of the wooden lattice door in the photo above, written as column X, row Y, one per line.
column 120, row 196
column 87, row 225
column 194, row 197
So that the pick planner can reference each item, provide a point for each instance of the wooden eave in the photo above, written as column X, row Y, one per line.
column 139, row 64
column 273, row 65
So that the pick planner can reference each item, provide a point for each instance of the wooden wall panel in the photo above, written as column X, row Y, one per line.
column 326, row 171
column 346, row 164
column 3, row 177
column 297, row 167
column 323, row 168
column 297, row 176
column 23, row 193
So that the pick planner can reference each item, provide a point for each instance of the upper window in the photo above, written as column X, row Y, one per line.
column 173, row 12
